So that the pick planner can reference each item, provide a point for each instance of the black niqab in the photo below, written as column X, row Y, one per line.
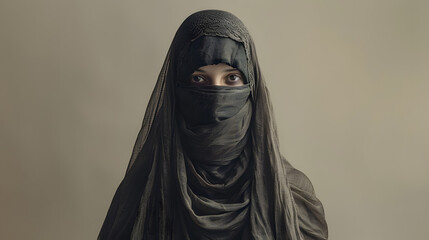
column 218, row 174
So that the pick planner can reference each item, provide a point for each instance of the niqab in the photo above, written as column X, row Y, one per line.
column 206, row 163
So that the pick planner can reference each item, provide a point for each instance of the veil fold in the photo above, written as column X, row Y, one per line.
column 167, row 195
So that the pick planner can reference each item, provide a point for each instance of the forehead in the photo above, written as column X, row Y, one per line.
column 220, row 67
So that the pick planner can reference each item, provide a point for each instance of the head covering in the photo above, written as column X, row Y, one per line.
column 217, row 173
column 207, row 50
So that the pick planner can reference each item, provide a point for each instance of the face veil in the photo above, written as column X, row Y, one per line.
column 242, row 189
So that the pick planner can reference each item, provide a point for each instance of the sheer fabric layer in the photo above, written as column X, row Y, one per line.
column 169, row 194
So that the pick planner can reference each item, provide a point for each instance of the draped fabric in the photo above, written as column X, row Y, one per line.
column 214, row 175
column 208, row 50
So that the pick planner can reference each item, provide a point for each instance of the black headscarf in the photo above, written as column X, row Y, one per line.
column 206, row 163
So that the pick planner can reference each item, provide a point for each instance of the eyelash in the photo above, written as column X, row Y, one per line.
column 193, row 77
column 238, row 77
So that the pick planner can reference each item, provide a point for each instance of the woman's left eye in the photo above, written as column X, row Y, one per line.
column 234, row 78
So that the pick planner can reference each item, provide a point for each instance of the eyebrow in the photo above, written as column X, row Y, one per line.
column 232, row 70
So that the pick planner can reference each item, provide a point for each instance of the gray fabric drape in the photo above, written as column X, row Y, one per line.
column 217, row 180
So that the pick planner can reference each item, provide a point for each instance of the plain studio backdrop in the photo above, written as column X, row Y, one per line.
column 349, row 82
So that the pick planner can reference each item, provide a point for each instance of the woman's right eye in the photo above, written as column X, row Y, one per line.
column 197, row 79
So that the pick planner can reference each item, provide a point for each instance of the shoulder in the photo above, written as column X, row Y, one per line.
column 298, row 179
column 310, row 210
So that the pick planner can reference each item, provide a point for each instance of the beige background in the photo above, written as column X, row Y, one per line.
column 349, row 81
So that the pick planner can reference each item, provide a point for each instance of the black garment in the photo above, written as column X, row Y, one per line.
column 207, row 50
column 217, row 173
column 205, row 105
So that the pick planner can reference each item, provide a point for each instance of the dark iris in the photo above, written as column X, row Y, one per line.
column 197, row 79
column 234, row 77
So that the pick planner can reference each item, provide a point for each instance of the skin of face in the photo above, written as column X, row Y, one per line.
column 217, row 75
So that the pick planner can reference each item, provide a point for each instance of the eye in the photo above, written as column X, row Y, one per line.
column 235, row 78
column 197, row 79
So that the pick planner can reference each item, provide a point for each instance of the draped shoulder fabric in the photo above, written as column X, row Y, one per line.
column 206, row 163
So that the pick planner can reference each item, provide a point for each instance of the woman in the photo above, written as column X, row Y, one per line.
column 206, row 163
